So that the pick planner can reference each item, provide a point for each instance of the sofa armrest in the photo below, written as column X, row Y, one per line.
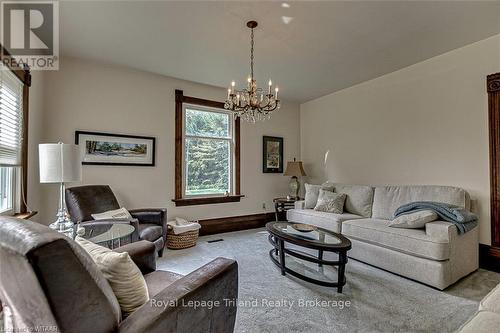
column 301, row 204
column 156, row 216
column 143, row 253
column 440, row 230
column 202, row 301
column 150, row 215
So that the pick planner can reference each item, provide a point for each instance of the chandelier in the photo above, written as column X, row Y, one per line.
column 252, row 104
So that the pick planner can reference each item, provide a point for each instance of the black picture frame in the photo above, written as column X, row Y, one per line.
column 147, row 139
column 269, row 158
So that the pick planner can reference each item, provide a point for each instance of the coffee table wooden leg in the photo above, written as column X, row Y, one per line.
column 320, row 257
column 341, row 270
column 281, row 245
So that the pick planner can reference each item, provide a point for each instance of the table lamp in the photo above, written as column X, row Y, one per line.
column 60, row 163
column 295, row 170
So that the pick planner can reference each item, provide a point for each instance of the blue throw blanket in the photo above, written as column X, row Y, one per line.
column 463, row 219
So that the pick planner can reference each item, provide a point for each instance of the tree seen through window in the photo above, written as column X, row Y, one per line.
column 208, row 151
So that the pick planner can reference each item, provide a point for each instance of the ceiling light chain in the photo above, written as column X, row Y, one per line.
column 251, row 54
column 252, row 104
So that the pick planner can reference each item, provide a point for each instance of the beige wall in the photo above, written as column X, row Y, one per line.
column 424, row 124
column 89, row 96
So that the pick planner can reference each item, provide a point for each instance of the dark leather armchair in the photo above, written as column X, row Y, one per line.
column 49, row 283
column 150, row 223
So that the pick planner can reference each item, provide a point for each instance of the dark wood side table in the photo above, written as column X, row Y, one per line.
column 281, row 205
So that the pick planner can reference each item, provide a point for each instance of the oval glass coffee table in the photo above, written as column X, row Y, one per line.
column 310, row 237
column 109, row 234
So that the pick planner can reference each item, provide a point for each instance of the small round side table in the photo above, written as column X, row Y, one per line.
column 109, row 235
column 281, row 205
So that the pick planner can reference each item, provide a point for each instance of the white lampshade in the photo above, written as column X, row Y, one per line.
column 59, row 163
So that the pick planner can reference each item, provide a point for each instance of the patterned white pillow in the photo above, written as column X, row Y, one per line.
column 120, row 213
column 312, row 194
column 414, row 220
column 330, row 202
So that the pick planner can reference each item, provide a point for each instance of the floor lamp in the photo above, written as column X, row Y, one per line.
column 60, row 163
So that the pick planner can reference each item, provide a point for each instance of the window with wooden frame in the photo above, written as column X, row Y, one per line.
column 207, row 152
column 14, row 101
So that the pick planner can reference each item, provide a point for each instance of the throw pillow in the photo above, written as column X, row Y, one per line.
column 312, row 194
column 120, row 213
column 414, row 220
column 330, row 202
column 122, row 274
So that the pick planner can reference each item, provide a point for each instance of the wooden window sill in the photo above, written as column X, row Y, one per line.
column 25, row 216
column 206, row 200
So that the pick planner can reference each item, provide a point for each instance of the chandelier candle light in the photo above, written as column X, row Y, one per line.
column 252, row 104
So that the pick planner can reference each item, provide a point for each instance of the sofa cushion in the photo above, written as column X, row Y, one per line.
column 359, row 198
column 389, row 198
column 330, row 202
column 482, row 322
column 492, row 301
column 122, row 274
column 328, row 221
column 415, row 220
column 120, row 213
column 410, row 241
column 312, row 194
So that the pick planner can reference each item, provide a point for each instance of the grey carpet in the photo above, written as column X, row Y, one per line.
column 380, row 301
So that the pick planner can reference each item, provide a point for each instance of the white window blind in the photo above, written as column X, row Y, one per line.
column 11, row 118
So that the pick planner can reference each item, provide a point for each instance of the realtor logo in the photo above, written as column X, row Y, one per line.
column 30, row 34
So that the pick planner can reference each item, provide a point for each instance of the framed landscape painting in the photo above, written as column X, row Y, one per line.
column 115, row 149
column 272, row 154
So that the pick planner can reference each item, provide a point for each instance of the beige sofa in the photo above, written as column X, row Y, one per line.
column 437, row 255
column 487, row 318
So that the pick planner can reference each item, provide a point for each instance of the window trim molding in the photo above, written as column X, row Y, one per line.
column 230, row 139
column 179, row 200
column 23, row 74
column 15, row 178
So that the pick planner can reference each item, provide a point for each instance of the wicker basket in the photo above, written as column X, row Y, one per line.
column 181, row 241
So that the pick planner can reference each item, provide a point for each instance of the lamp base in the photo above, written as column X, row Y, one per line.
column 63, row 224
column 294, row 187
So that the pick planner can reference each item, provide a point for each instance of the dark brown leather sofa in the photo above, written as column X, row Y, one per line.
column 49, row 283
column 82, row 201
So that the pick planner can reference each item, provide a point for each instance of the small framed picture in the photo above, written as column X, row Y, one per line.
column 272, row 157
column 115, row 149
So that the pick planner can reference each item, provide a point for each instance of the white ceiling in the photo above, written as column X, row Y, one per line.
column 326, row 46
